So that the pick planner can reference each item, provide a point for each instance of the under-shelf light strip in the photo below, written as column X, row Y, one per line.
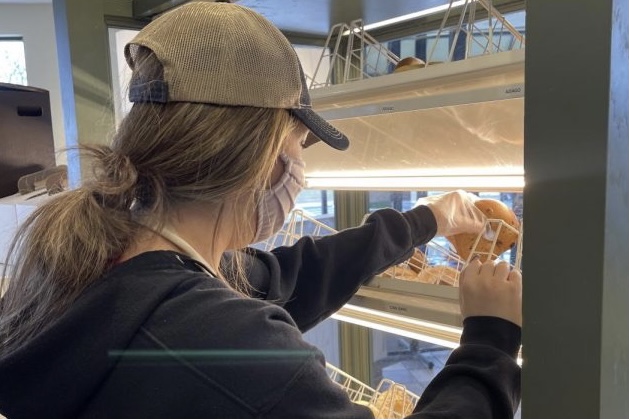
column 446, row 336
column 484, row 183
column 415, row 15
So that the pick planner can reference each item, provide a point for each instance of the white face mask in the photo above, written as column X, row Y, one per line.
column 279, row 200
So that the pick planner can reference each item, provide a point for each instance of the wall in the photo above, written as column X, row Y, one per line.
column 83, row 53
column 34, row 23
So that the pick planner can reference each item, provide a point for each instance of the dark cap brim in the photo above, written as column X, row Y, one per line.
column 321, row 128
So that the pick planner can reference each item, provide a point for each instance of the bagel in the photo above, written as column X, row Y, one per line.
column 409, row 63
column 439, row 274
column 417, row 262
column 394, row 402
column 410, row 268
column 506, row 237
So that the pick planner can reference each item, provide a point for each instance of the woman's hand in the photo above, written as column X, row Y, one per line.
column 491, row 289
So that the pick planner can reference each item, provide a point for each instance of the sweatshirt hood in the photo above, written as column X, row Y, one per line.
column 56, row 373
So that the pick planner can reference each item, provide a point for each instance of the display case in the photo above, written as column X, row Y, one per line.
column 456, row 125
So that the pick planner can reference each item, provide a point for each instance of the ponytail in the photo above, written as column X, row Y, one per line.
column 162, row 156
column 64, row 246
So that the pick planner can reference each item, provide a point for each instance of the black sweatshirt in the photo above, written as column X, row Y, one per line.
column 158, row 338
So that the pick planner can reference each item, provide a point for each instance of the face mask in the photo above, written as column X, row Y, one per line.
column 279, row 200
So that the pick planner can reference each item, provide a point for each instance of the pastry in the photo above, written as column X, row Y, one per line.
column 409, row 63
column 395, row 402
column 504, row 238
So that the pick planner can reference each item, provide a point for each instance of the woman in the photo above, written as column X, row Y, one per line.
column 132, row 296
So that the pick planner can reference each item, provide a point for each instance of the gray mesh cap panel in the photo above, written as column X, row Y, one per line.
column 224, row 54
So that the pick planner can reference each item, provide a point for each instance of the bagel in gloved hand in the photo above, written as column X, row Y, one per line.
column 501, row 237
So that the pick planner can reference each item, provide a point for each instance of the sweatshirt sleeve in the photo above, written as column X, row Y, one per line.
column 481, row 378
column 317, row 275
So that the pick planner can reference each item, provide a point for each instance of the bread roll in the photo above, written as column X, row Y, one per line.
column 409, row 269
column 506, row 237
column 394, row 402
column 409, row 63
column 401, row 272
column 439, row 275
column 417, row 262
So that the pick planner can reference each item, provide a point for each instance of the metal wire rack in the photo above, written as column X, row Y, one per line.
column 297, row 225
column 437, row 264
column 433, row 263
column 355, row 389
column 347, row 48
column 389, row 400
column 351, row 53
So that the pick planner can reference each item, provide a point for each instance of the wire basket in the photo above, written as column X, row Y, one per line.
column 389, row 400
column 355, row 389
column 393, row 400
column 351, row 53
column 435, row 263
column 298, row 224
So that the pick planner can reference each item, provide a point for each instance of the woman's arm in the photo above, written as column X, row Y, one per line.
column 481, row 379
column 316, row 276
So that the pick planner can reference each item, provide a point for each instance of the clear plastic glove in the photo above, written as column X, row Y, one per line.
column 455, row 212
column 491, row 289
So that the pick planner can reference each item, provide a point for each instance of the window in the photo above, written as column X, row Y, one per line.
column 427, row 46
column 318, row 212
column 12, row 61
column 120, row 71
column 319, row 204
column 410, row 362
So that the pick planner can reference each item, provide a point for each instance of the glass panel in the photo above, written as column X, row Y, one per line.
column 318, row 204
column 412, row 363
column 409, row 362
column 318, row 211
column 120, row 71
column 12, row 62
column 501, row 38
column 325, row 336
column 441, row 47
column 311, row 63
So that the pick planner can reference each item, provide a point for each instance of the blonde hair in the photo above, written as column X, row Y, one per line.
column 162, row 156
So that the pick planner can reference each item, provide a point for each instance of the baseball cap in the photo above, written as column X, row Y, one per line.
column 226, row 54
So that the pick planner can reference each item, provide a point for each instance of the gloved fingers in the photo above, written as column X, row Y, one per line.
column 501, row 270
column 472, row 269
column 515, row 276
column 487, row 270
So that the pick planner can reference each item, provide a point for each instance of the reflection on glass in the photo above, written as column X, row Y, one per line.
column 314, row 216
column 412, row 363
column 320, row 206
column 409, row 362
column 422, row 45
